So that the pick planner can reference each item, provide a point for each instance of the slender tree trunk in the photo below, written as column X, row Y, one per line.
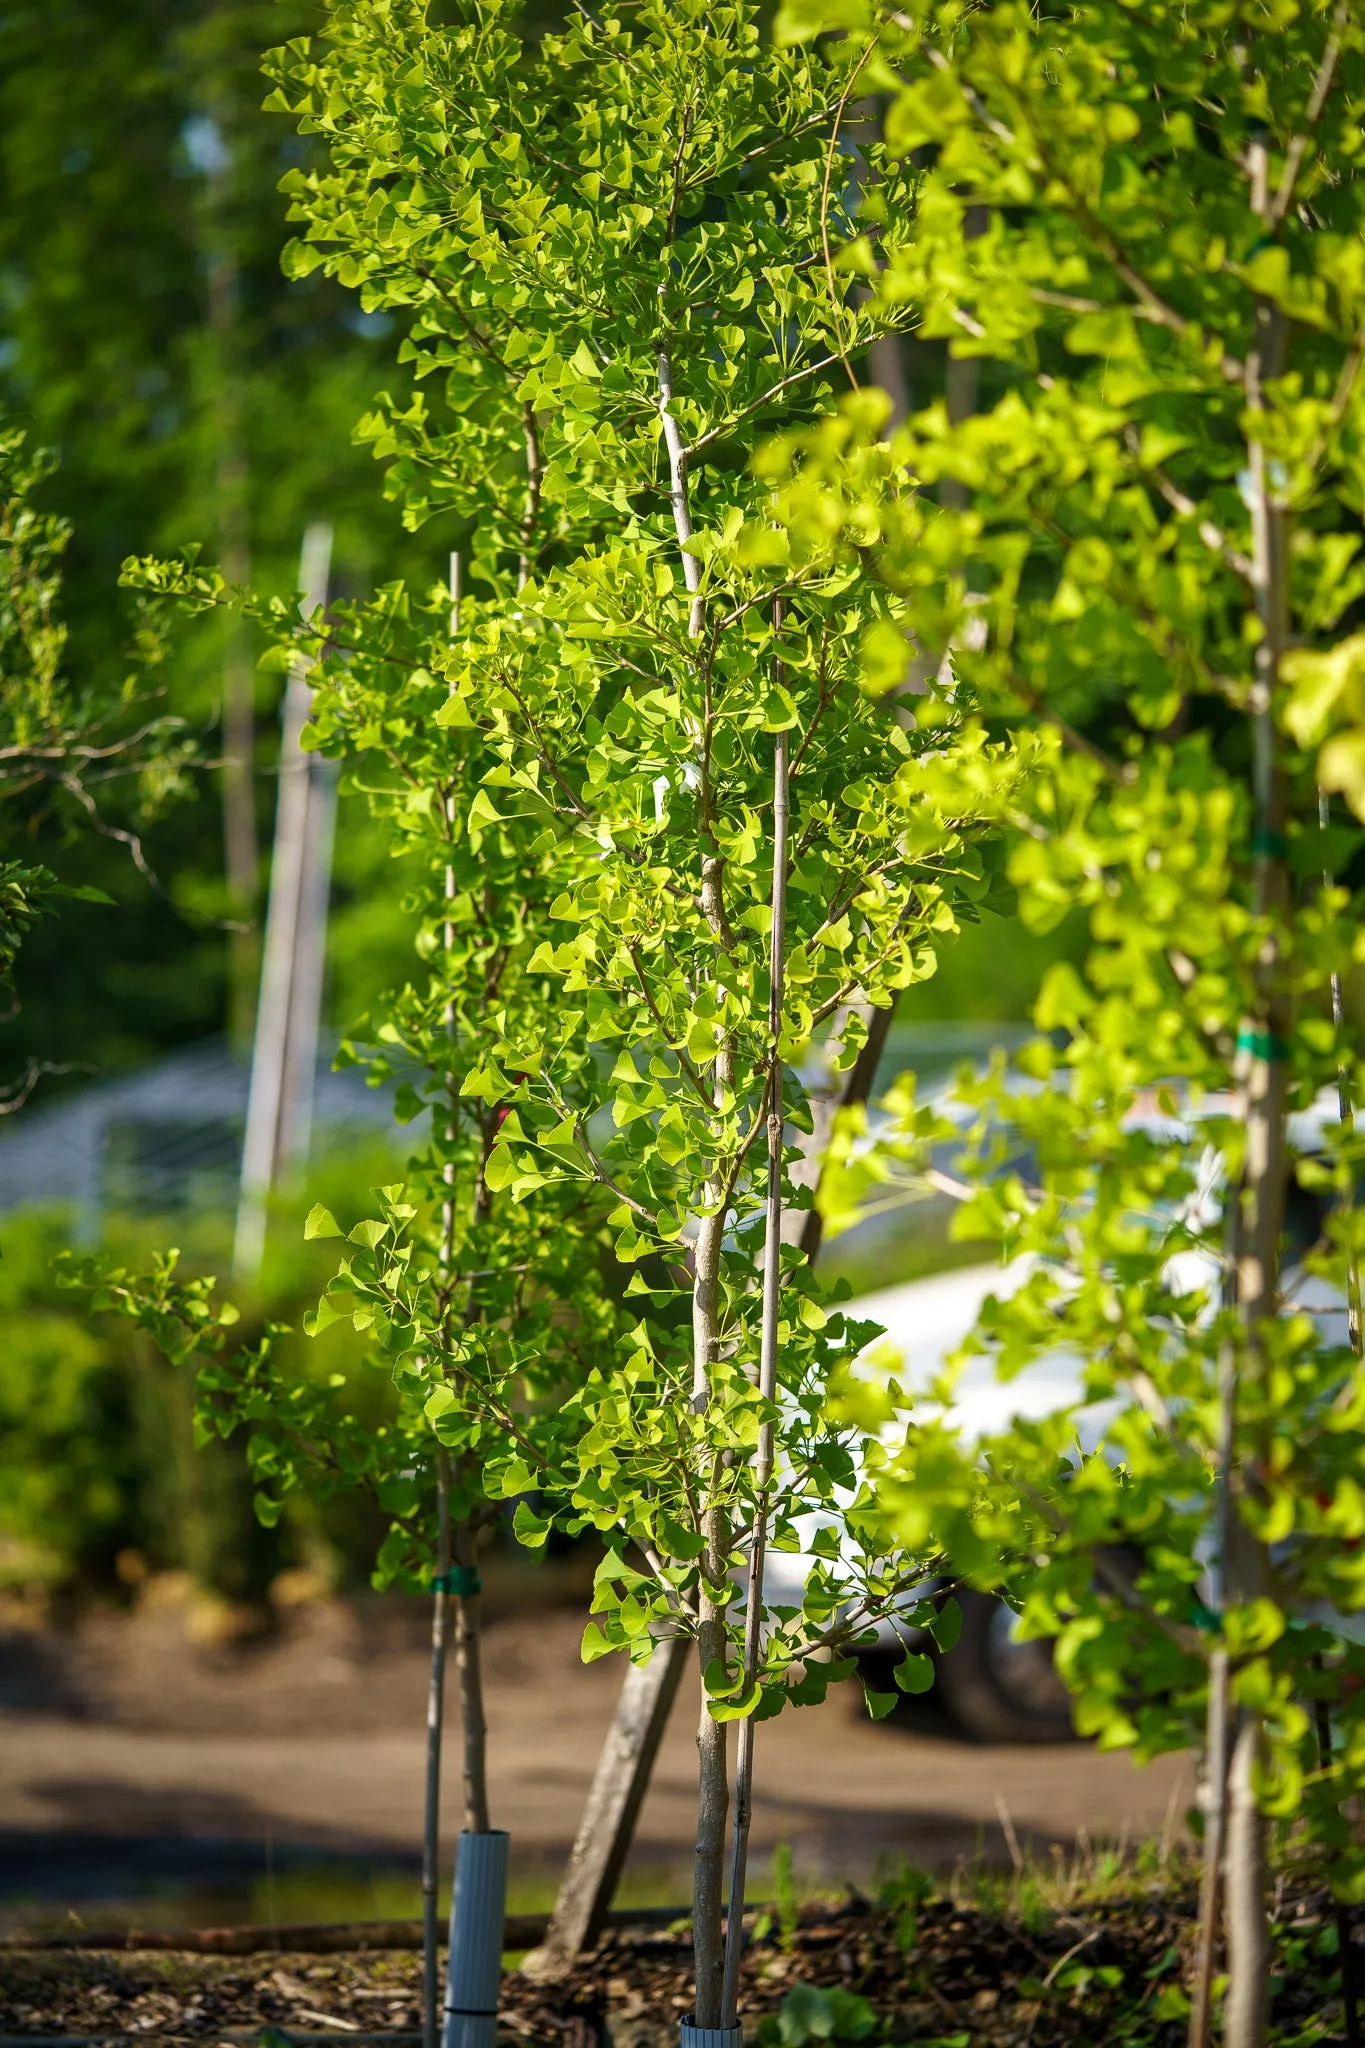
column 1217, row 1720
column 1247, row 2012
column 431, row 1830
column 678, row 493
column 468, row 1662
column 535, row 475
column 1261, row 1221
column 713, row 1784
column 767, row 1380
column 1215, row 1845
column 857, row 1089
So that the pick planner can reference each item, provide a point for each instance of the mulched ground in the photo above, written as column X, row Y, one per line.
column 940, row 1973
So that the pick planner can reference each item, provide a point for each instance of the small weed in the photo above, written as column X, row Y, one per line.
column 810, row 2014
column 903, row 1893
column 786, row 1898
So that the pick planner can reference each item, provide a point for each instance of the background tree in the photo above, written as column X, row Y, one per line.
column 68, row 743
column 137, row 180
column 1163, row 502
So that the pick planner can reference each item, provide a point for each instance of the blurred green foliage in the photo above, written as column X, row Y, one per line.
column 68, row 1464
column 97, row 1456
column 133, row 155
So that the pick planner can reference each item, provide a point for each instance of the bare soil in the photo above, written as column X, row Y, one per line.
column 951, row 1976
column 135, row 1759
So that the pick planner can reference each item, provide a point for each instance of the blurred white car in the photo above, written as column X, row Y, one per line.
column 993, row 1685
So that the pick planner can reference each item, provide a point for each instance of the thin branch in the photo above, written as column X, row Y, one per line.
column 968, row 323
column 1317, row 100
column 815, row 120
column 1157, row 309
column 132, row 840
column 535, row 476
column 1180, row 502
column 835, row 309
column 1341, row 398
column 683, row 1061
column 678, row 491
column 679, row 158
column 14, row 1094
column 774, row 391
column 598, row 1170
column 542, row 752
column 828, row 690
column 763, row 597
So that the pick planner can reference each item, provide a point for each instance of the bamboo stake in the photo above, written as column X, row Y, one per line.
column 431, row 1830
column 1247, row 2012
column 1322, row 1716
column 1263, row 1179
column 1346, row 1114
column 468, row 1597
column 452, row 1080
column 479, row 1897
column 767, row 1379
column 440, row 1604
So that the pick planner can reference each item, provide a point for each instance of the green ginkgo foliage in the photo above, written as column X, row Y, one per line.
column 620, row 255
column 1140, row 596
column 619, row 252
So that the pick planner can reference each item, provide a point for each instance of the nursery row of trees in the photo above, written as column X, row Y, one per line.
column 741, row 700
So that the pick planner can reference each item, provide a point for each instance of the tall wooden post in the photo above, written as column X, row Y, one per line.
column 607, row 1828
column 284, row 1052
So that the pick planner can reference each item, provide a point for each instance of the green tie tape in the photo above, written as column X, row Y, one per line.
column 1273, row 845
column 1263, row 1045
column 462, row 1580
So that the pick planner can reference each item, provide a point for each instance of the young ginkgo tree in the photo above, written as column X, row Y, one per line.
column 617, row 251
column 1138, row 587
column 487, row 1313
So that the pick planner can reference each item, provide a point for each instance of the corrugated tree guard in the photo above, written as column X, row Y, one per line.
column 477, row 1912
